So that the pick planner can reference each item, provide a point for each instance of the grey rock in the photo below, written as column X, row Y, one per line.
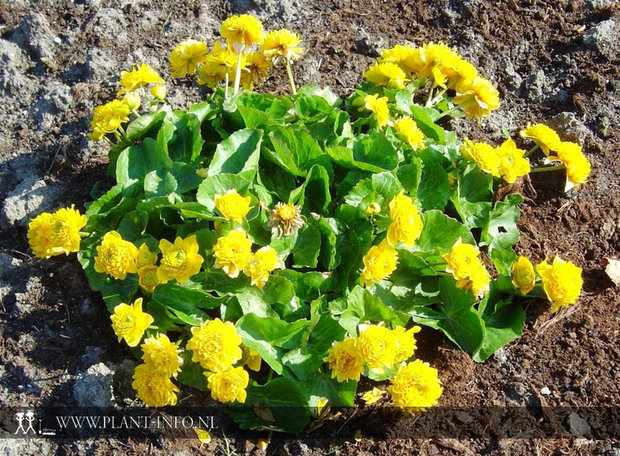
column 299, row 449
column 545, row 391
column 94, row 387
column 123, row 378
column 369, row 44
column 535, row 85
column 110, row 24
column 598, row 4
column 26, row 300
column 579, row 427
column 569, row 127
column 55, row 99
column 36, row 35
column 100, row 64
column 270, row 11
column 8, row 265
column 605, row 38
column 13, row 66
column 91, row 356
column 29, row 198
column 512, row 79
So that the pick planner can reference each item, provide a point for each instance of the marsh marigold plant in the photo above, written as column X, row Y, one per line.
column 283, row 252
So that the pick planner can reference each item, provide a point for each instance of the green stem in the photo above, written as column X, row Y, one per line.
column 543, row 169
column 226, row 85
column 289, row 72
column 531, row 151
column 447, row 113
column 438, row 97
column 238, row 70
column 431, row 92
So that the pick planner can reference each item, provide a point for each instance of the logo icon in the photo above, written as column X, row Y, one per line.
column 20, row 417
column 203, row 436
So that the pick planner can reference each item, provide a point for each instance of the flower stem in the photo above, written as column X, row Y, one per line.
column 438, row 97
column 289, row 72
column 431, row 92
column 226, row 86
column 238, row 70
column 543, row 169
column 531, row 151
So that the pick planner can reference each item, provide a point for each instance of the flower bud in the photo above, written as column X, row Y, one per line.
column 159, row 92
column 132, row 100
column 373, row 209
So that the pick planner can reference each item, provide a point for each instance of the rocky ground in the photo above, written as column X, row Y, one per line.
column 554, row 61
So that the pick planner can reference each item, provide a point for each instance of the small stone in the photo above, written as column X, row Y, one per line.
column 8, row 265
column 545, row 391
column 29, row 198
column 93, row 388
column 579, row 427
column 605, row 38
column 569, row 127
column 36, row 35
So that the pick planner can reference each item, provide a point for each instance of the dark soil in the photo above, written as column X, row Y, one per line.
column 547, row 66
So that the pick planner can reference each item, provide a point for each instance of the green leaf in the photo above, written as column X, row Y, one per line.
column 316, row 196
column 192, row 374
column 296, row 151
column 321, row 385
column 269, row 336
column 307, row 247
column 280, row 400
column 440, row 232
column 424, row 118
column 186, row 142
column 456, row 317
column 219, row 184
column 260, row 302
column 380, row 188
column 135, row 162
column 375, row 149
column 472, row 199
column 189, row 297
column 503, row 321
column 238, row 154
column 434, row 188
column 501, row 231
column 362, row 306
column 323, row 92
column 216, row 280
column 139, row 127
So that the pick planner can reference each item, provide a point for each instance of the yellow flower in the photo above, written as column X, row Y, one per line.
column 107, row 118
column 523, row 275
column 406, row 224
column 561, row 281
column 440, row 64
column 483, row 154
column 54, row 234
column 512, row 163
column 465, row 73
column 258, row 67
column 578, row 167
column 252, row 359
column 403, row 56
column 186, row 57
column 232, row 205
column 139, row 76
column 372, row 396
column 154, row 388
column 219, row 63
column 282, row 46
column 478, row 98
column 116, row 257
column 345, row 360
column 129, row 322
column 377, row 346
column 379, row 263
column 542, row 135
column 373, row 209
column 132, row 100
column 386, row 74
column 159, row 91
column 264, row 261
column 405, row 342
column 415, row 387
column 464, row 263
column 408, row 129
column 242, row 31
column 228, row 385
column 232, row 252
column 285, row 219
column 379, row 107
column 180, row 260
column 145, row 257
column 215, row 345
column 162, row 355
column 147, row 278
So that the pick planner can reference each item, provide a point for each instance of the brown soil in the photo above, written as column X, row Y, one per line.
column 575, row 353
